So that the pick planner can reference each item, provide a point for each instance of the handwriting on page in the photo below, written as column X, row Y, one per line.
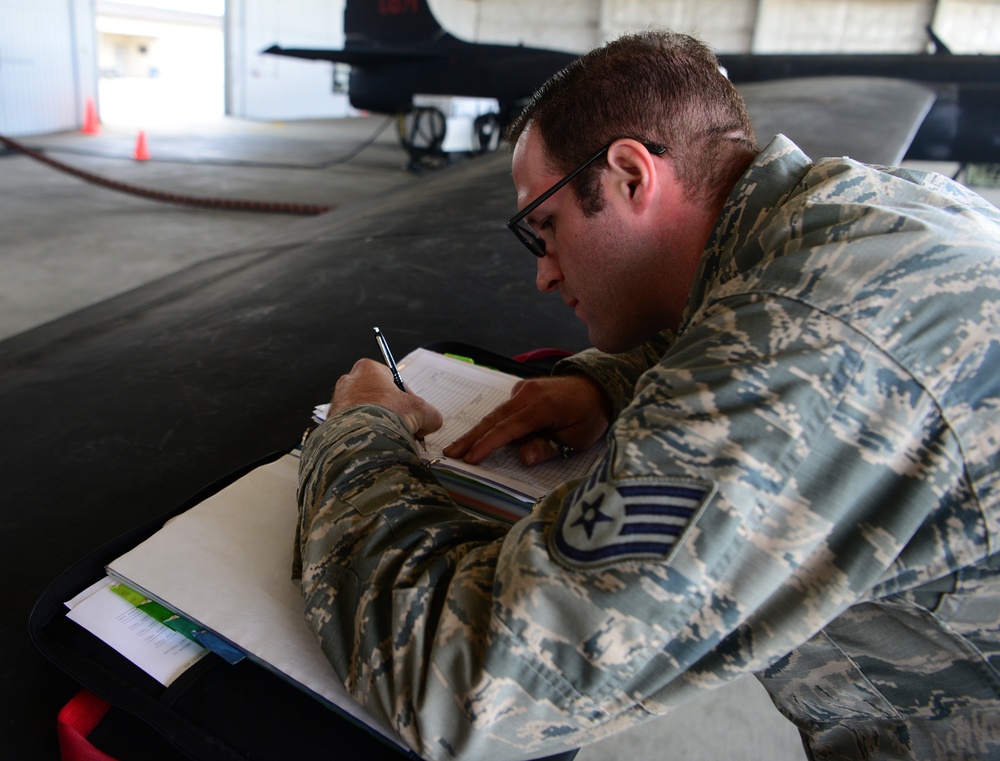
column 462, row 401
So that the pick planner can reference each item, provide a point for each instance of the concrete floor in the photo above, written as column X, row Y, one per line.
column 66, row 245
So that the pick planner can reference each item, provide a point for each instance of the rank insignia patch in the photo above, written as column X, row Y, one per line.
column 607, row 522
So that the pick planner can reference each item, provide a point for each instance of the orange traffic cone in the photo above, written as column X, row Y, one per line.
column 141, row 149
column 91, row 125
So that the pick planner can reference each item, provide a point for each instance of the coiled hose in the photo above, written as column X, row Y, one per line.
column 272, row 207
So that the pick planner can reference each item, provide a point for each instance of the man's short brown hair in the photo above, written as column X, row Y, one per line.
column 658, row 86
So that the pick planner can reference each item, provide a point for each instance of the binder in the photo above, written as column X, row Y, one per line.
column 500, row 487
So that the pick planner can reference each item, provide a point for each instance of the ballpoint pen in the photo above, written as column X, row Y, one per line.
column 383, row 346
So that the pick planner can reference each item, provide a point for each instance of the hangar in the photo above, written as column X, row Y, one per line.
column 148, row 349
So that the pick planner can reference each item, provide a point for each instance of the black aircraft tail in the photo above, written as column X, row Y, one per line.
column 384, row 32
column 391, row 24
column 397, row 49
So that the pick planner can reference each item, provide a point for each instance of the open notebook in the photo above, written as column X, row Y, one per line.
column 500, row 486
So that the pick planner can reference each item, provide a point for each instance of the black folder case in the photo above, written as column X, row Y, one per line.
column 214, row 711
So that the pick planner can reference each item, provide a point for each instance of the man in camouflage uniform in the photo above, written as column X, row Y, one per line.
column 802, row 479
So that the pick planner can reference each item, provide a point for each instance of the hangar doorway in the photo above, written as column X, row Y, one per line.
column 160, row 62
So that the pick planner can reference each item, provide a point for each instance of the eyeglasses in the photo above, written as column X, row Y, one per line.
column 525, row 234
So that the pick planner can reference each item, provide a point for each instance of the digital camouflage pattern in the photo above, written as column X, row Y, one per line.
column 803, row 485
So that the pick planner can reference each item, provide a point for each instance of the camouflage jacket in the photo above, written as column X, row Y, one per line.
column 803, row 484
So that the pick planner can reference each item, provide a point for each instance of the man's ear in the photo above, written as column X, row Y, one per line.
column 634, row 175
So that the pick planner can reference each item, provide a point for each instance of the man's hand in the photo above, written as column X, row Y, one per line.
column 569, row 409
column 370, row 382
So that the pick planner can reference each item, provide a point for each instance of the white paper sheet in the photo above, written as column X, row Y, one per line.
column 226, row 564
column 158, row 650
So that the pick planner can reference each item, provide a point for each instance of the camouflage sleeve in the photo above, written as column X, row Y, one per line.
column 743, row 506
column 617, row 374
column 390, row 569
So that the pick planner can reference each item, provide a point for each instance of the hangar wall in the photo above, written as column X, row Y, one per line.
column 48, row 48
column 267, row 87
column 969, row 26
column 48, row 64
column 734, row 26
column 273, row 87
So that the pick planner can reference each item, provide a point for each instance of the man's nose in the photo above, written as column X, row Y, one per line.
column 549, row 275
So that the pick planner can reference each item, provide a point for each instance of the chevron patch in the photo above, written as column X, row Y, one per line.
column 607, row 523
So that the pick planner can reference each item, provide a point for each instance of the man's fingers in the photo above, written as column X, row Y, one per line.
column 370, row 382
column 497, row 429
column 461, row 446
column 574, row 408
column 428, row 421
column 538, row 449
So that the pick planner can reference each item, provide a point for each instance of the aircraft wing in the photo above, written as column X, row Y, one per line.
column 869, row 119
column 360, row 56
